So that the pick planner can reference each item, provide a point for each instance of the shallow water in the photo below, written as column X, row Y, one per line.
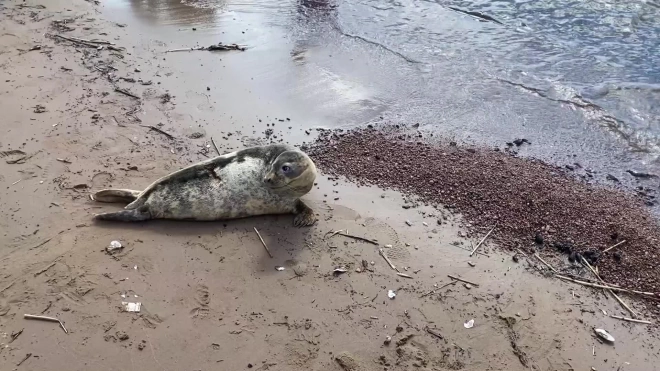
column 579, row 79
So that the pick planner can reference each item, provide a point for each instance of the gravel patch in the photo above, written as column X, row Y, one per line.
column 536, row 206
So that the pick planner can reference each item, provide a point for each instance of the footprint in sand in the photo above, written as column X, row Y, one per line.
column 203, row 300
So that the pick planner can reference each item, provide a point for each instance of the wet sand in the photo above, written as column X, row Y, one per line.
column 211, row 297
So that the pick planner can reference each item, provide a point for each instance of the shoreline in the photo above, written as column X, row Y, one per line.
column 210, row 296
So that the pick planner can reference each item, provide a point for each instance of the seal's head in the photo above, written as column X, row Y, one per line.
column 292, row 172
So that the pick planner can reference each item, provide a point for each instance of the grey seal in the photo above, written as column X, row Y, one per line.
column 254, row 181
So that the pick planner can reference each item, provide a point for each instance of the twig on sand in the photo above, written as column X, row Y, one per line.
column 631, row 319
column 468, row 249
column 403, row 275
column 15, row 335
column 613, row 246
column 358, row 238
column 546, row 263
column 603, row 286
column 77, row 41
column 46, row 318
column 126, row 92
column 434, row 333
column 610, row 290
column 27, row 356
column 215, row 146
column 43, row 243
column 462, row 280
column 45, row 269
column 216, row 47
column 333, row 234
column 263, row 243
column 89, row 43
column 8, row 286
column 439, row 288
column 159, row 130
column 482, row 241
column 382, row 253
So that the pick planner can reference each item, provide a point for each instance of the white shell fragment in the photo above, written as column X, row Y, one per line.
column 391, row 294
column 340, row 269
column 131, row 307
column 114, row 245
column 604, row 335
column 469, row 324
column 279, row 268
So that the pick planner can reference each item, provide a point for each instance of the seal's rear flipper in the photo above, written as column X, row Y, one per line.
column 125, row 216
column 115, row 195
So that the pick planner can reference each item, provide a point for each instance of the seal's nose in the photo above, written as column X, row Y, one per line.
column 267, row 179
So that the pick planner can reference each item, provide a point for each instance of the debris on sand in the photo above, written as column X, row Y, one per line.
column 211, row 48
column 469, row 324
column 604, row 335
column 46, row 318
column 132, row 307
column 114, row 246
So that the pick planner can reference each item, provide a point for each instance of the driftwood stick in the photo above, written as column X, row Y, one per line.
column 546, row 264
column 434, row 333
column 613, row 286
column 631, row 319
column 80, row 42
column 613, row 246
column 482, row 241
column 185, row 49
column 357, row 238
column 403, row 275
column 126, row 92
column 462, row 280
column 263, row 243
column 89, row 41
column 610, row 290
column 382, row 253
column 159, row 130
column 332, row 234
column 589, row 284
column 215, row 146
column 27, row 356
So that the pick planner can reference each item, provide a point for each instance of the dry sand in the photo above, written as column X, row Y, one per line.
column 211, row 297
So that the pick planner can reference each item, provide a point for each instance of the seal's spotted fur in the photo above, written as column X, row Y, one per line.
column 254, row 181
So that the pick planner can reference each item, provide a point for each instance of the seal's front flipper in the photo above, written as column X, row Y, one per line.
column 135, row 215
column 304, row 215
column 115, row 195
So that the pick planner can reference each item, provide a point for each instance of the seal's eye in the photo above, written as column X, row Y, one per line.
column 286, row 168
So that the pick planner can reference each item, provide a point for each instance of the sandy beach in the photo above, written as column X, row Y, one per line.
column 86, row 105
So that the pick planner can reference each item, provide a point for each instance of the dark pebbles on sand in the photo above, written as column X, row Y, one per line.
column 535, row 205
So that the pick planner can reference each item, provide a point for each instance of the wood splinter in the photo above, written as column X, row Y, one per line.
column 382, row 253
column 263, row 243
column 482, row 241
column 631, row 319
column 462, row 280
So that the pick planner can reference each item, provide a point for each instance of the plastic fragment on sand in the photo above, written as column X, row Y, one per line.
column 604, row 335
column 131, row 307
column 391, row 294
column 469, row 324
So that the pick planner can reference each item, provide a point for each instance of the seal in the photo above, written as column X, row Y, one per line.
column 254, row 181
